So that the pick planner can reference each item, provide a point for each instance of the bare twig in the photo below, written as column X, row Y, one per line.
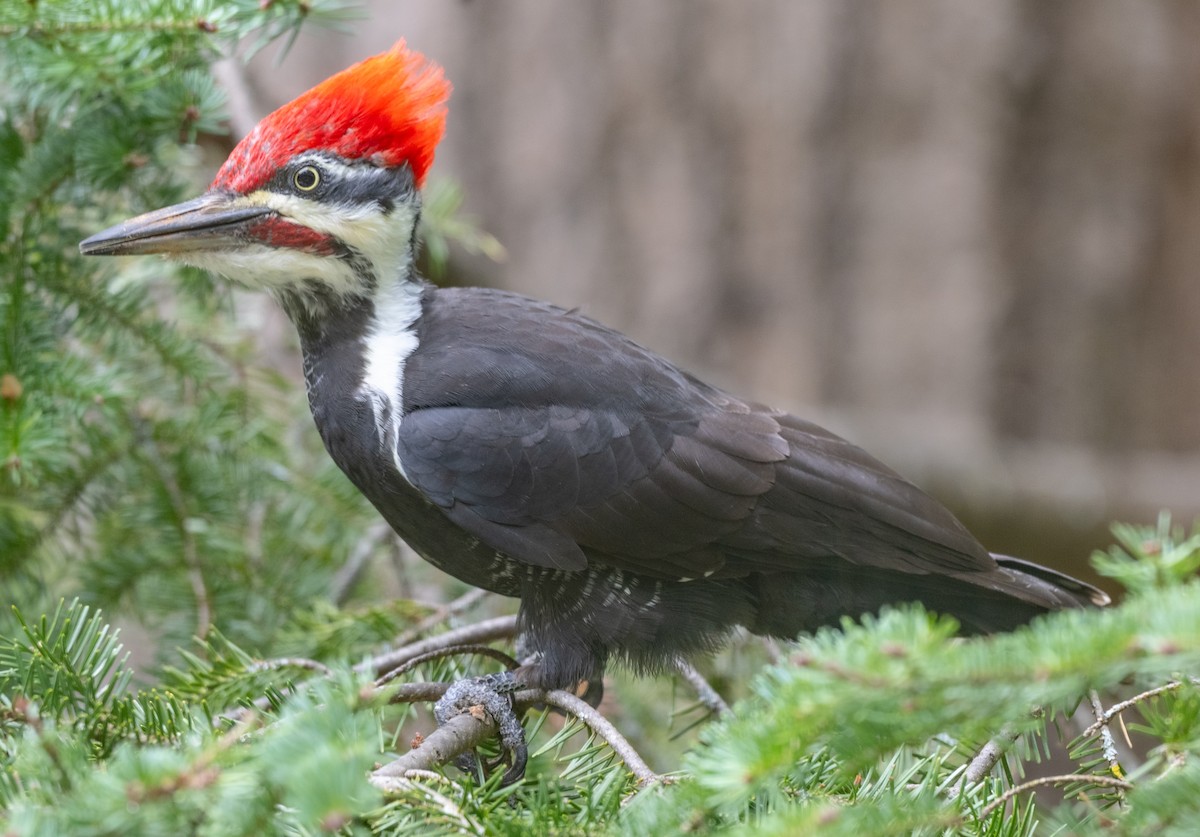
column 350, row 571
column 600, row 725
column 290, row 662
column 396, row 556
column 987, row 757
column 704, row 690
column 453, row 650
column 489, row 630
column 1107, row 742
column 1117, row 708
column 1104, row 781
column 440, row 615
column 460, row 734
column 983, row 762
column 420, row 692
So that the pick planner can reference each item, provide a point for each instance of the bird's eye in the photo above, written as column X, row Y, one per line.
column 307, row 178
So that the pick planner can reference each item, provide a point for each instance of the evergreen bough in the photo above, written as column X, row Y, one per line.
column 149, row 467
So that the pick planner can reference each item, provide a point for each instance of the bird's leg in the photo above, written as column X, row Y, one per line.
column 571, row 670
column 589, row 689
column 492, row 692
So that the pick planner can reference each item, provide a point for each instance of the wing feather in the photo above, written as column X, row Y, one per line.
column 560, row 442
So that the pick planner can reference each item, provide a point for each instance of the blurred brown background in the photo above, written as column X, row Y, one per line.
column 964, row 234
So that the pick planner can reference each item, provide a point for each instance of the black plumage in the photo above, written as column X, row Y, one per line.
column 638, row 512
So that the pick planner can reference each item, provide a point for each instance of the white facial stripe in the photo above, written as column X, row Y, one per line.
column 384, row 241
column 274, row 268
column 309, row 213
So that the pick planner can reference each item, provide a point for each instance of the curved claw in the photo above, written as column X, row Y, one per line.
column 490, row 692
column 594, row 692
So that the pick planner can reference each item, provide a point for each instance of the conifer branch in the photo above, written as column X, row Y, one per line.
column 92, row 27
column 708, row 696
column 441, row 614
column 408, row 693
column 987, row 757
column 1107, row 742
column 398, row 784
column 1084, row 778
column 460, row 734
column 1106, row 716
column 489, row 630
column 104, row 462
column 600, row 725
column 463, row 733
column 442, row 653
column 418, row 692
column 277, row 663
column 349, row 572
column 191, row 555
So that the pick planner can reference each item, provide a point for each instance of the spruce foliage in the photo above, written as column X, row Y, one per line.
column 149, row 467
column 137, row 469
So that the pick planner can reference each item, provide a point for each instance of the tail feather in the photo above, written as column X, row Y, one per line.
column 987, row 602
column 1059, row 584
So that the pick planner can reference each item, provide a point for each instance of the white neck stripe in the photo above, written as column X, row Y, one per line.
column 390, row 340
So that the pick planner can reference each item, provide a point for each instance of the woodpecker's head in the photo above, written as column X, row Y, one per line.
column 321, row 199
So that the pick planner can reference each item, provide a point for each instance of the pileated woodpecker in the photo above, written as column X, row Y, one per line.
column 637, row 512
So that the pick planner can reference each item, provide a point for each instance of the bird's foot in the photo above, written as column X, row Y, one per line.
column 493, row 693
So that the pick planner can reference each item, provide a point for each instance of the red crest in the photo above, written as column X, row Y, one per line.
column 389, row 108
